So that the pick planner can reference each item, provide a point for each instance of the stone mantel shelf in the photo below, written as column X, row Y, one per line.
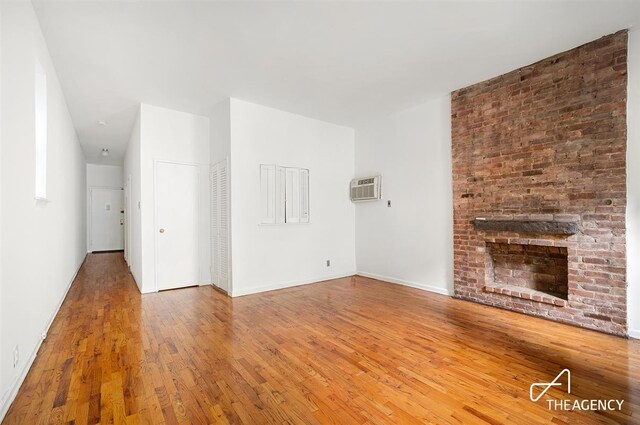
column 549, row 227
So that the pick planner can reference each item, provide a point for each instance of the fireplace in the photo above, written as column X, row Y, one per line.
column 539, row 188
column 533, row 272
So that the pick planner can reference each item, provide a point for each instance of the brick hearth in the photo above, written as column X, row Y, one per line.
column 545, row 145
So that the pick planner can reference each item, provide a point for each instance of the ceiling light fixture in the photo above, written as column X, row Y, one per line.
column 105, row 152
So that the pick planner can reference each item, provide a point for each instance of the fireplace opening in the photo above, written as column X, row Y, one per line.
column 533, row 272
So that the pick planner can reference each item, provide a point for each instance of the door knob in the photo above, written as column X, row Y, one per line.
column 161, row 230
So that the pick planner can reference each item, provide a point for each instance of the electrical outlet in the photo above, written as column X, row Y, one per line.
column 16, row 357
column 328, row 263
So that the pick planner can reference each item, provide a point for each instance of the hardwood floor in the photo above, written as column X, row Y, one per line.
column 348, row 351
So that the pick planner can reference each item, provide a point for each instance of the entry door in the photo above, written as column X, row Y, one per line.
column 220, row 273
column 107, row 219
column 177, row 206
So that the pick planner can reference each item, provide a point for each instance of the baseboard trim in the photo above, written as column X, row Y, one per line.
column 135, row 280
column 434, row 289
column 12, row 392
column 276, row 286
column 634, row 333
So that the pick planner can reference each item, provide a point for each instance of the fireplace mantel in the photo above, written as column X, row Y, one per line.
column 549, row 227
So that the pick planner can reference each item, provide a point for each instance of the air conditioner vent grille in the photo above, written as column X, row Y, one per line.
column 366, row 189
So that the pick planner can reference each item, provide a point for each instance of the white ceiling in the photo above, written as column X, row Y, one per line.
column 339, row 62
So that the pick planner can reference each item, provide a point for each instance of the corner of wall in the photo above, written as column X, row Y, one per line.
column 633, row 184
column 436, row 289
column 11, row 393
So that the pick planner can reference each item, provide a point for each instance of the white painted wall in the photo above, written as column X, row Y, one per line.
column 411, row 242
column 131, row 169
column 220, row 129
column 99, row 175
column 2, row 408
column 275, row 256
column 633, row 183
column 49, row 234
column 174, row 136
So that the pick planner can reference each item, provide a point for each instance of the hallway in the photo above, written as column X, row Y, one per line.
column 196, row 356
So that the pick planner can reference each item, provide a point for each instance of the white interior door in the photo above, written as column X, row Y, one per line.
column 220, row 262
column 107, row 219
column 177, row 206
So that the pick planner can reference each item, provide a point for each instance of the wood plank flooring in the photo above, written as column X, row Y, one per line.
column 347, row 351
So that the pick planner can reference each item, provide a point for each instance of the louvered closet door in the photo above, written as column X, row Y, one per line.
column 215, row 219
column 223, row 202
column 220, row 225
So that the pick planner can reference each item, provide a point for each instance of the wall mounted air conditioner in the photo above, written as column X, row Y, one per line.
column 366, row 189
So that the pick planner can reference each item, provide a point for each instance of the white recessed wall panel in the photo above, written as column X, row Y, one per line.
column 410, row 242
column 268, row 257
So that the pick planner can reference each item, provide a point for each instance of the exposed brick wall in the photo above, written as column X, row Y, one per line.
column 547, row 141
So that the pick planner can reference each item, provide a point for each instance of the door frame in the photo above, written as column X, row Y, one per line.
column 89, row 219
column 155, row 213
